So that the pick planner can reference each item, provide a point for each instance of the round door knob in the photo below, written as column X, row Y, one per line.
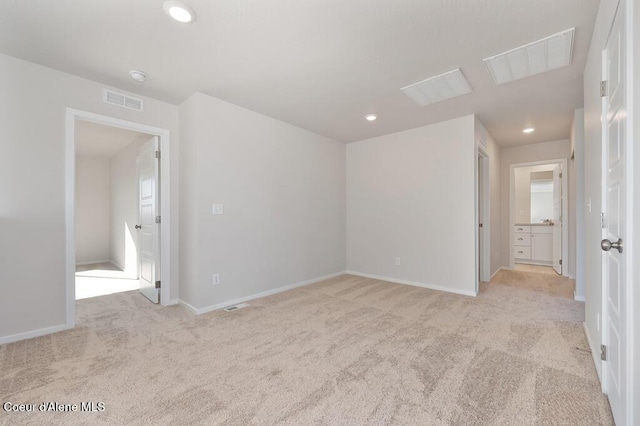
column 138, row 226
column 607, row 245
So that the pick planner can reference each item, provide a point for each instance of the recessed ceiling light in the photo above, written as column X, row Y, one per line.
column 179, row 11
column 370, row 117
column 528, row 130
column 439, row 88
column 534, row 58
column 138, row 76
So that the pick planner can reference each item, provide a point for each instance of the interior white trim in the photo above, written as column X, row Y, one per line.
column 222, row 305
column 95, row 261
column 578, row 298
column 414, row 283
column 33, row 333
column 565, row 209
column 498, row 270
column 165, row 203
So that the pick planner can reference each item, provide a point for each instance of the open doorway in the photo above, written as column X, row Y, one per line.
column 117, row 209
column 107, row 209
column 538, row 226
column 483, row 230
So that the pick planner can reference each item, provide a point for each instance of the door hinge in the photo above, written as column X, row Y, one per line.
column 602, row 220
column 603, row 88
column 158, row 155
column 158, row 284
column 560, row 261
column 560, row 175
column 603, row 352
column 157, row 219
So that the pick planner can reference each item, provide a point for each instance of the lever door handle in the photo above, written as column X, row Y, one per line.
column 138, row 226
column 607, row 245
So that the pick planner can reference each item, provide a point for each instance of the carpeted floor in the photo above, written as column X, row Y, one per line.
column 347, row 351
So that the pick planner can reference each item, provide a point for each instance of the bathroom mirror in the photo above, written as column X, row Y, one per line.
column 534, row 194
column 541, row 197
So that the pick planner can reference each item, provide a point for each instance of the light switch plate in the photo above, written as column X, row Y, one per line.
column 218, row 208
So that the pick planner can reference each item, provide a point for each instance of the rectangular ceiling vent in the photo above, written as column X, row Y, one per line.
column 122, row 100
column 439, row 88
column 534, row 58
column 235, row 307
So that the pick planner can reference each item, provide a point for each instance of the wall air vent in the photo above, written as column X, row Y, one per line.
column 122, row 100
column 439, row 88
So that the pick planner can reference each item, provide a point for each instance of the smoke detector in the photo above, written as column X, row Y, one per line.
column 138, row 76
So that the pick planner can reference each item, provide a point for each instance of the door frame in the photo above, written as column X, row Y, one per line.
column 565, row 209
column 482, row 166
column 73, row 115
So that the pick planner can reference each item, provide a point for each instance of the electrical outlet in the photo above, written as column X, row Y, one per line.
column 397, row 261
column 216, row 279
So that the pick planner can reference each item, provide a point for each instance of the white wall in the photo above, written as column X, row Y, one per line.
column 577, row 179
column 283, row 191
column 124, row 207
column 525, row 154
column 592, row 182
column 32, row 187
column 92, row 209
column 189, row 199
column 411, row 195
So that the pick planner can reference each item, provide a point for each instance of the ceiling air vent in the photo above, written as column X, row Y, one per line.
column 122, row 100
column 534, row 58
column 439, row 88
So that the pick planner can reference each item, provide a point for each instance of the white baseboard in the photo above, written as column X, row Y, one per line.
column 496, row 272
column 595, row 354
column 171, row 302
column 222, row 305
column 578, row 298
column 93, row 261
column 33, row 333
column 116, row 264
column 414, row 283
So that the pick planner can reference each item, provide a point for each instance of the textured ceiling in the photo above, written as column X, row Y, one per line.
column 320, row 65
column 97, row 140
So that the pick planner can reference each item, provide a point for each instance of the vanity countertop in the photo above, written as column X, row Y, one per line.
column 534, row 224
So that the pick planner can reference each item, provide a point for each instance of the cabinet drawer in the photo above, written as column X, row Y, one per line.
column 521, row 252
column 542, row 229
column 522, row 240
column 522, row 229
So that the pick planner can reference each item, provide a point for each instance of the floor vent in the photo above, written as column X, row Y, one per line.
column 235, row 307
column 122, row 100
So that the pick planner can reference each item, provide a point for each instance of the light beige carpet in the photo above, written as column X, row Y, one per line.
column 347, row 351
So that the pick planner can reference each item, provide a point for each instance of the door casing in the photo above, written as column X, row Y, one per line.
column 483, row 215
column 72, row 115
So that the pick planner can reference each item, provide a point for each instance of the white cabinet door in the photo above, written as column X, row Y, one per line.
column 542, row 247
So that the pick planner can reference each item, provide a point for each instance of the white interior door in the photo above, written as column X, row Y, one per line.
column 614, row 205
column 149, row 219
column 557, row 219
